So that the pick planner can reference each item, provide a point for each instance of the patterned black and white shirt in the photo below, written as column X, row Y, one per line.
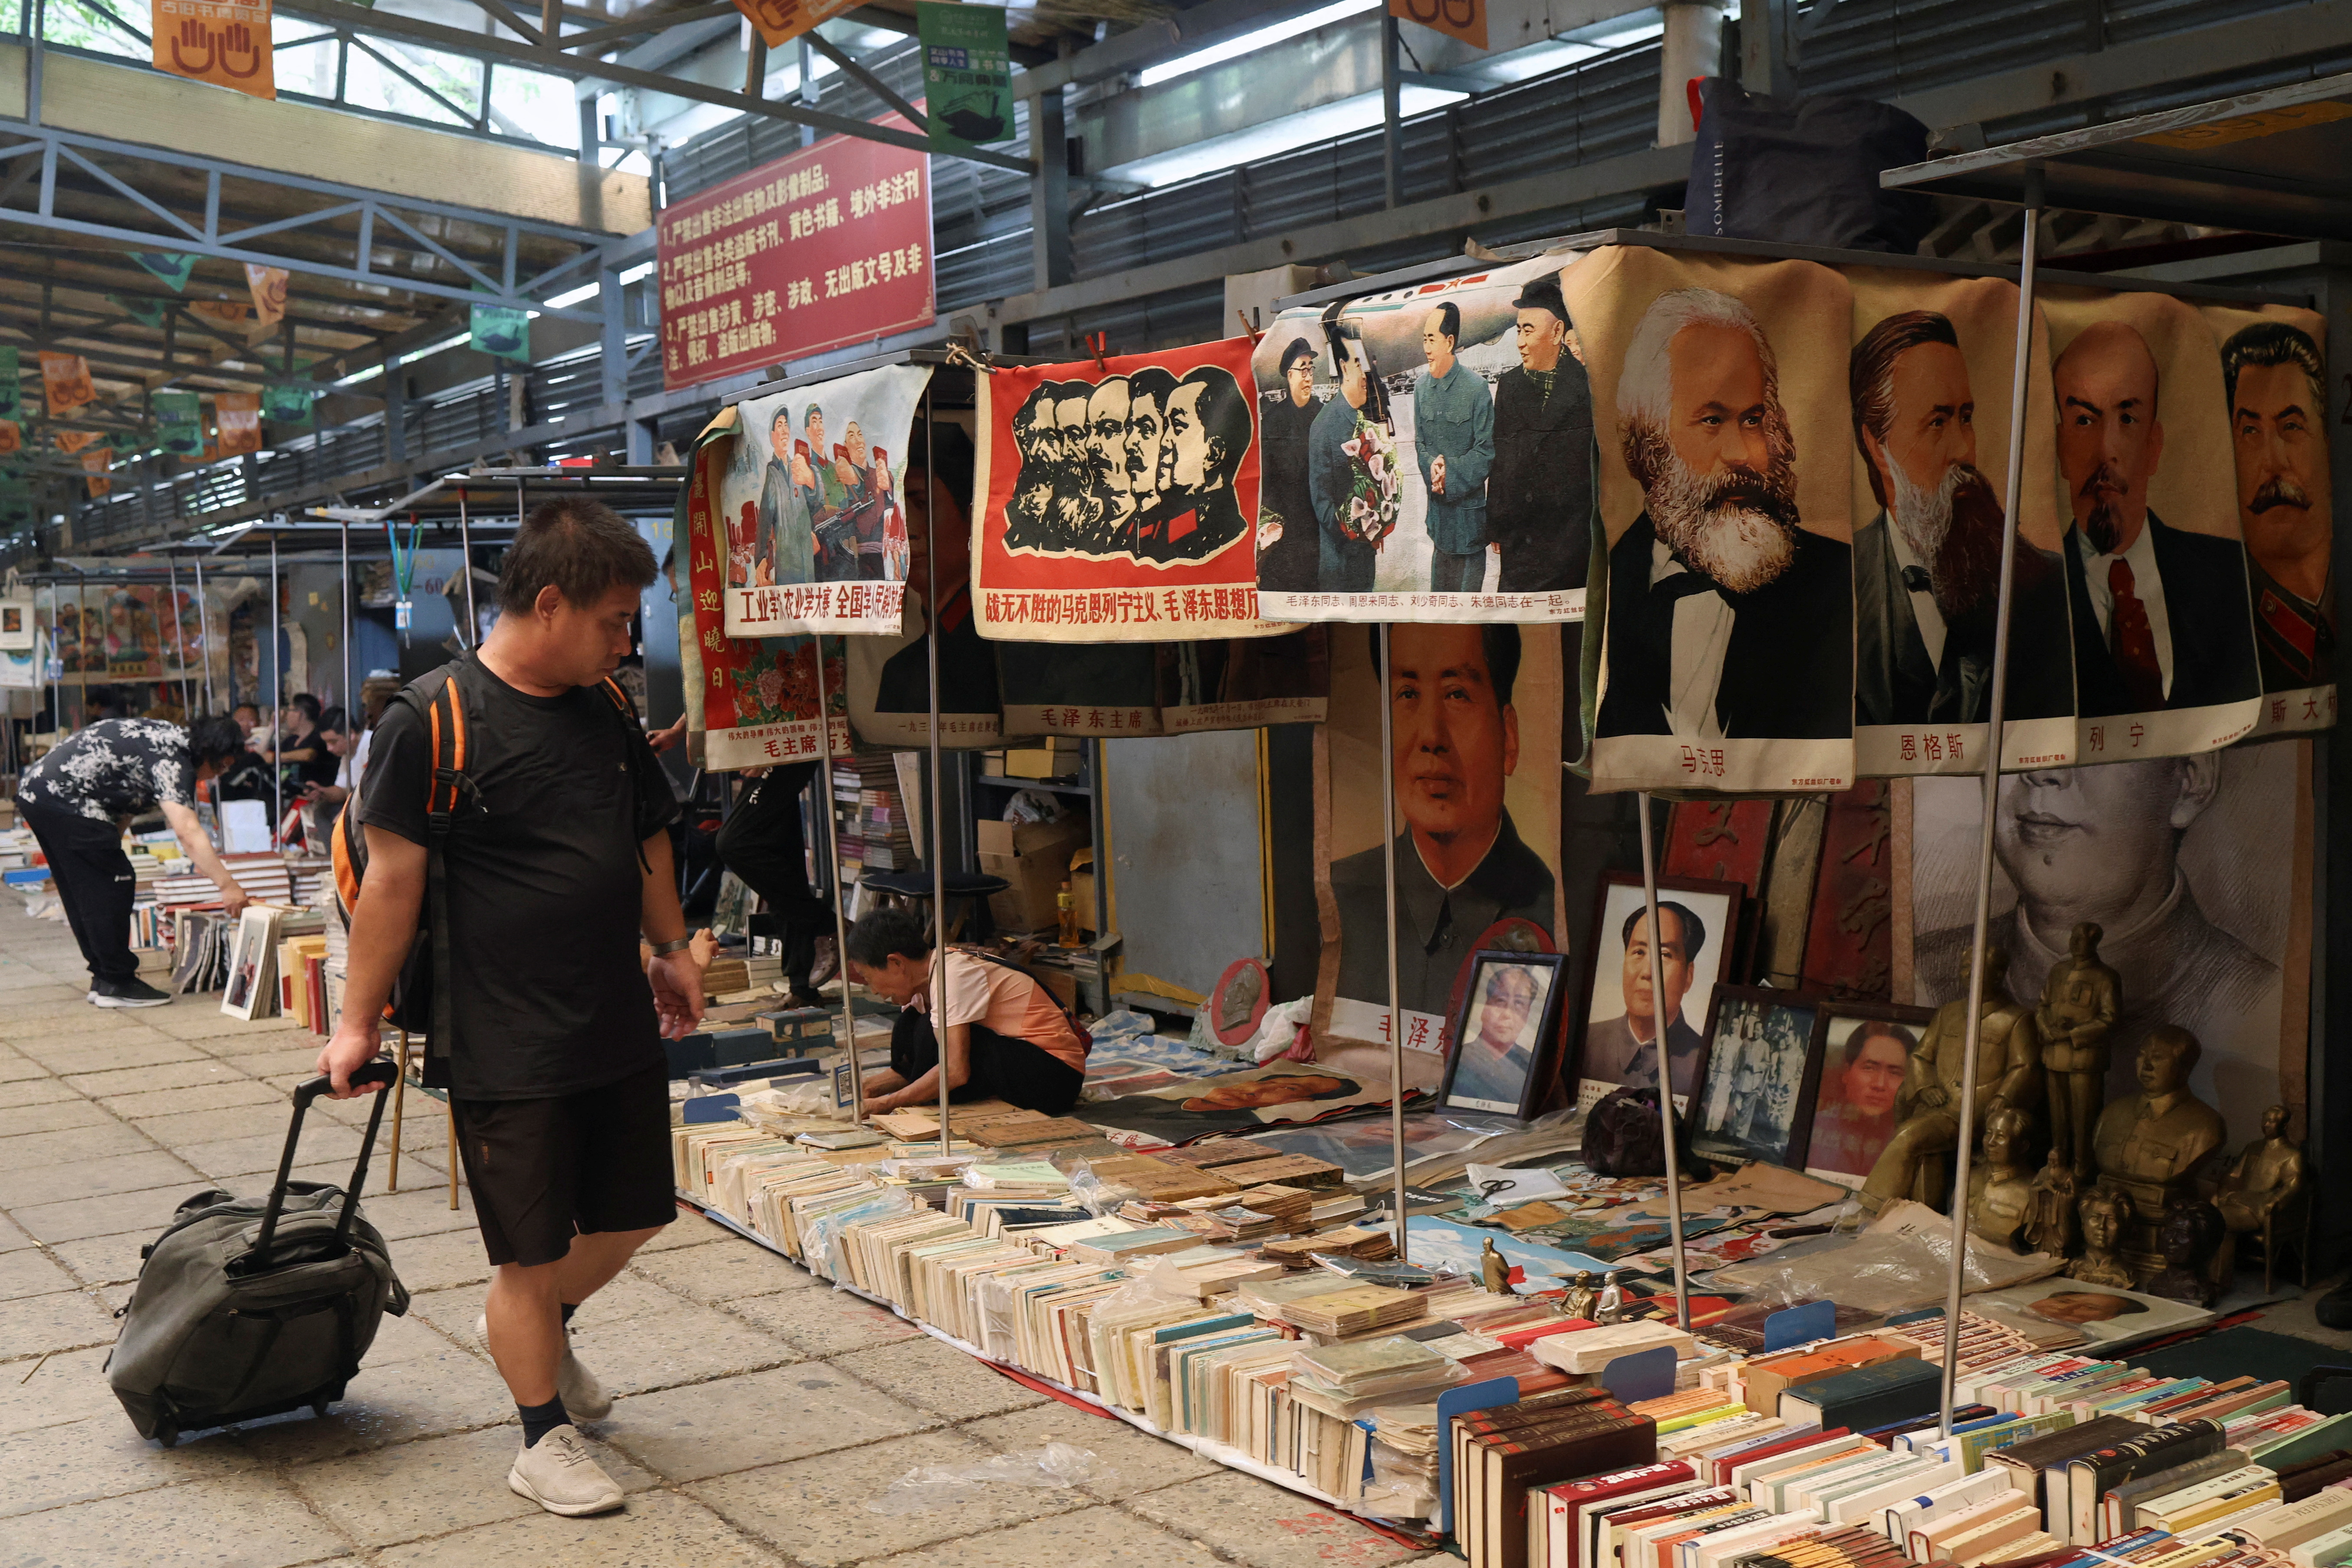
column 114, row 769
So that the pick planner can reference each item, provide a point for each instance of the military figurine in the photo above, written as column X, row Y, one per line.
column 2079, row 1004
column 2150, row 1146
column 2009, row 1068
column 2050, row 1220
column 1611, row 1306
column 2102, row 1211
column 2267, row 1177
column 1577, row 1302
column 1494, row 1272
column 2191, row 1230
column 1999, row 1191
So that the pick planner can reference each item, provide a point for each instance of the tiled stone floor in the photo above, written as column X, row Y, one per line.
column 758, row 1411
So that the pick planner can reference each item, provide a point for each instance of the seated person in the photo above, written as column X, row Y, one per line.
column 300, row 753
column 1007, row 1039
column 245, row 776
column 350, row 747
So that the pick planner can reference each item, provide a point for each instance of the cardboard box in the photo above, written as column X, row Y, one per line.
column 1057, row 757
column 1082, row 887
column 1034, row 858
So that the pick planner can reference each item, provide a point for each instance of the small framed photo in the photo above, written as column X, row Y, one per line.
column 1866, row 1051
column 1510, row 1015
column 1763, row 1061
column 1614, row 1041
column 251, row 967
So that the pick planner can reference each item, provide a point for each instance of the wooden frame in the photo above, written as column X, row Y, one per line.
column 1829, row 1081
column 1735, row 1117
column 1533, row 1081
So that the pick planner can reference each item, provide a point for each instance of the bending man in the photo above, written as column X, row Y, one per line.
column 1006, row 1038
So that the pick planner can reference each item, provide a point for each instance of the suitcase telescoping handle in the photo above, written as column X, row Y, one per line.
column 380, row 1071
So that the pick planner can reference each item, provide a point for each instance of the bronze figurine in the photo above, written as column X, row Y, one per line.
column 1577, row 1301
column 2265, row 1193
column 1494, row 1272
column 2191, row 1230
column 1998, row 1190
column 2079, row 1004
column 2102, row 1211
column 2050, row 1222
column 2150, row 1144
column 2009, row 1068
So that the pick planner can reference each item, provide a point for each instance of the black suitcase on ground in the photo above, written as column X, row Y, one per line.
column 248, row 1307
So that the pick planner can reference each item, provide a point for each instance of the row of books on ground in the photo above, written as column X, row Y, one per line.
column 1255, row 1320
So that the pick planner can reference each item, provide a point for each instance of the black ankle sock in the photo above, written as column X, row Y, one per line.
column 538, row 1420
column 569, row 1308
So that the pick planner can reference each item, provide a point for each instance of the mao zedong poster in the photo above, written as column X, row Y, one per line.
column 810, row 506
column 2274, row 384
column 1428, row 453
column 748, row 703
column 1115, row 500
column 1723, row 643
column 1930, row 377
column 2156, row 571
column 1241, row 1102
column 1476, row 733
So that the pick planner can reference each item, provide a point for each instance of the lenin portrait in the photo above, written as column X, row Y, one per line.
column 1461, row 865
column 2161, row 614
column 1927, row 567
column 1725, row 619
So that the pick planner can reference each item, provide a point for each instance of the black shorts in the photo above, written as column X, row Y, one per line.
column 543, row 1171
column 1000, row 1067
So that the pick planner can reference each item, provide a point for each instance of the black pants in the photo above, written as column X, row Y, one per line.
column 1003, row 1068
column 93, row 880
column 762, row 843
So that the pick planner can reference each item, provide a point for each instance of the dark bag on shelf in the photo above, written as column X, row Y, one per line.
column 1622, row 1136
column 1804, row 170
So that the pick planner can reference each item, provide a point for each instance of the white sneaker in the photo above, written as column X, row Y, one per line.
column 583, row 1396
column 560, row 1474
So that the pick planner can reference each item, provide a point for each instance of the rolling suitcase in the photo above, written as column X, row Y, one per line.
column 248, row 1307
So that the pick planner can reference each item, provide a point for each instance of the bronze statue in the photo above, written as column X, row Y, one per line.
column 2264, row 1193
column 1578, row 1300
column 2079, row 1004
column 2102, row 1211
column 2009, row 1068
column 2049, row 1225
column 1998, row 1189
column 1494, row 1272
column 2191, row 1230
column 2150, row 1144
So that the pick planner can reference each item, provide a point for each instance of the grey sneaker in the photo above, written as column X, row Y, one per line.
column 560, row 1474
column 583, row 1398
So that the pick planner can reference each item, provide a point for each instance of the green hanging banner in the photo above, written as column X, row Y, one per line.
column 145, row 311
column 178, row 422
column 171, row 266
column 503, row 331
column 12, row 392
column 967, row 74
column 15, row 504
column 285, row 404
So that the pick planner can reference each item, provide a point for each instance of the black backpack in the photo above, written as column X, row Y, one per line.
column 417, row 1004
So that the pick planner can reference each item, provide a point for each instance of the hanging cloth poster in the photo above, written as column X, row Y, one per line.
column 238, row 416
column 1428, row 453
column 1102, row 689
column 95, row 462
column 1930, row 379
column 65, row 382
column 178, row 422
column 1116, row 499
column 1244, row 684
column 228, row 45
column 748, row 703
column 2155, row 571
column 810, row 497
column 2275, row 377
column 1720, row 652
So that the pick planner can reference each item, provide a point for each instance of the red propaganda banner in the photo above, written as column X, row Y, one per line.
column 748, row 703
column 828, row 248
column 1117, row 499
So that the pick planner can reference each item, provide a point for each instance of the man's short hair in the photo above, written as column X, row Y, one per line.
column 1224, row 418
column 581, row 548
column 1692, row 928
column 946, row 454
column 2269, row 343
column 875, row 938
column 307, row 705
column 1879, row 1028
column 334, row 721
column 1151, row 382
column 1298, row 349
column 214, row 739
column 783, row 416
column 1499, row 641
column 245, row 707
column 1449, row 320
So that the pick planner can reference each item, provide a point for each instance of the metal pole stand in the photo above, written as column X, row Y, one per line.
column 1396, row 1003
column 1666, row 1069
column 399, row 1103
column 840, row 889
column 938, row 782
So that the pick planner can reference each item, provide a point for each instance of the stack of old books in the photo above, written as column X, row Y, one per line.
column 1500, row 1452
column 1353, row 1309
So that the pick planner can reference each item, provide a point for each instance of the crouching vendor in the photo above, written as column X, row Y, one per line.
column 1007, row 1039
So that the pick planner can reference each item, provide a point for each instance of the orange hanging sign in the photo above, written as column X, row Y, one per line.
column 1462, row 19
column 94, row 465
column 240, row 415
column 225, row 43
column 65, row 380
column 781, row 21
column 268, row 287
column 72, row 441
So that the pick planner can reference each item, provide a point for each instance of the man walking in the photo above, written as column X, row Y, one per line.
column 76, row 799
column 763, row 842
column 557, row 858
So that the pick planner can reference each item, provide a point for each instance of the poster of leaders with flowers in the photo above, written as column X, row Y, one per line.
column 1428, row 453
column 1118, row 498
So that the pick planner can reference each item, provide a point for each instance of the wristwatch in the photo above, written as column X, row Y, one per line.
column 662, row 949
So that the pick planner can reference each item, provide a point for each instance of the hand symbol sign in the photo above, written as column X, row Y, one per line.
column 236, row 39
column 193, row 36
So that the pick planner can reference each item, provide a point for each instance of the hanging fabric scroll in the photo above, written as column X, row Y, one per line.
column 1117, row 499
column 812, row 503
column 1721, row 651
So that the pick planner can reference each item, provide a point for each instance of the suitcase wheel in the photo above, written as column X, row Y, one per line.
column 168, row 1435
column 320, row 1408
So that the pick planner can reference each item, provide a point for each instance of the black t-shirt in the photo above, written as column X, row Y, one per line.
column 544, row 882
column 322, row 764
